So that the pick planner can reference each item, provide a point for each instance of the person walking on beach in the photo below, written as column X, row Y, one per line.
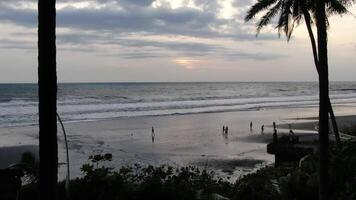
column 262, row 128
column 291, row 136
column 153, row 135
column 251, row 126
column 275, row 137
column 226, row 130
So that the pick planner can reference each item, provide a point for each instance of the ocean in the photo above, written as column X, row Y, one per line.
column 100, row 101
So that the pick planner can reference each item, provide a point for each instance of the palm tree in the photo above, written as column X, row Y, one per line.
column 291, row 14
column 47, row 92
column 323, row 97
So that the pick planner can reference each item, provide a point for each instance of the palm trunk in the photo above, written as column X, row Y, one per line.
column 334, row 123
column 67, row 156
column 47, row 92
column 311, row 36
column 315, row 56
column 323, row 100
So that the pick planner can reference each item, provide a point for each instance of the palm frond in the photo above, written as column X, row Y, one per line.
column 265, row 19
column 297, row 12
column 347, row 3
column 286, row 22
column 335, row 7
column 261, row 5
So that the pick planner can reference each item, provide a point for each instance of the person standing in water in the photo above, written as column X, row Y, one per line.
column 262, row 128
column 251, row 126
column 153, row 134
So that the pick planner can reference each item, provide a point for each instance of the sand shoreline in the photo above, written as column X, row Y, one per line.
column 310, row 123
column 181, row 140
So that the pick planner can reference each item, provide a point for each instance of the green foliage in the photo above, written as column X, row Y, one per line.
column 289, row 13
column 29, row 166
column 138, row 182
column 342, row 171
column 165, row 182
column 302, row 182
column 256, row 187
column 351, row 130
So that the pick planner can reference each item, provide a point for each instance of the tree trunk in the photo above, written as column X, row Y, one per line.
column 315, row 56
column 334, row 123
column 47, row 92
column 311, row 36
column 323, row 100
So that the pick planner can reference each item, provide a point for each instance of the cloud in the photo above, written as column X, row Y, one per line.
column 242, row 3
column 187, row 63
column 16, row 44
column 138, row 2
column 133, row 48
column 137, row 16
column 123, row 28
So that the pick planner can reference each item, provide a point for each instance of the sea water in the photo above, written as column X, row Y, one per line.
column 100, row 101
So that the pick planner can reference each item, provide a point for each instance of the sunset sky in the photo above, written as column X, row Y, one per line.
column 166, row 40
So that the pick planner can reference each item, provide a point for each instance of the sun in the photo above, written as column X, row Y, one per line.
column 186, row 63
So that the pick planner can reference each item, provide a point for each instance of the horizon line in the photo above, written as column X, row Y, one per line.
column 153, row 82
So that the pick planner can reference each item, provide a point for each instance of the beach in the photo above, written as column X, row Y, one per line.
column 180, row 140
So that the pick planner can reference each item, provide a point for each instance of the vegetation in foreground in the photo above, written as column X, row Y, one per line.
column 165, row 182
column 349, row 130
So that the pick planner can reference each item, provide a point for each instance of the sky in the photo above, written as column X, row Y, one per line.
column 166, row 40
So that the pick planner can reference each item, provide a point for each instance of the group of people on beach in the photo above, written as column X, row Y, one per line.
column 275, row 137
column 262, row 127
column 225, row 131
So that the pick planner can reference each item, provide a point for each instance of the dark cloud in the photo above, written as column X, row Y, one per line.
column 111, row 26
column 138, row 2
column 138, row 55
column 140, row 18
column 253, row 56
column 181, row 47
column 232, row 56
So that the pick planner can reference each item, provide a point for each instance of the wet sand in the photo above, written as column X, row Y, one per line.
column 310, row 123
column 180, row 140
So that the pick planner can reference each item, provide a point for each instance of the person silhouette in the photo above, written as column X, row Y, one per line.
column 262, row 129
column 291, row 136
column 275, row 137
column 153, row 134
column 251, row 126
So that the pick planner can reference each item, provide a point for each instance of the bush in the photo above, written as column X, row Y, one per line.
column 137, row 182
column 256, row 187
column 165, row 182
